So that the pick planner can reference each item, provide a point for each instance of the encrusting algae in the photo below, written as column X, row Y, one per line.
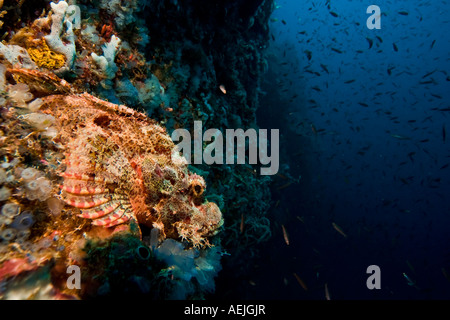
column 41, row 54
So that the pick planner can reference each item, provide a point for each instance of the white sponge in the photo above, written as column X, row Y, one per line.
column 69, row 16
column 106, row 61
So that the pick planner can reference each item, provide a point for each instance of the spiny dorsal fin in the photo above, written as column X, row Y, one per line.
column 42, row 82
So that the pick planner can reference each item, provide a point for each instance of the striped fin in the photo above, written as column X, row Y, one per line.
column 84, row 177
column 118, row 213
column 83, row 190
column 123, row 219
column 86, row 204
column 101, row 211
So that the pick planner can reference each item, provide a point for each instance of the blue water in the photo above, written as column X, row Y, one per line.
column 376, row 161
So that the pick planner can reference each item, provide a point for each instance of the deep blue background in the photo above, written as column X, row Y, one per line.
column 389, row 195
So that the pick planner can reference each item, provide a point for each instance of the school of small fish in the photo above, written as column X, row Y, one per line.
column 370, row 106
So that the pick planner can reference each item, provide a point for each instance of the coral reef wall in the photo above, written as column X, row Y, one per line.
column 174, row 61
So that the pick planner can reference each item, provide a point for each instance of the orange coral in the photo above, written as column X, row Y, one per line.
column 107, row 31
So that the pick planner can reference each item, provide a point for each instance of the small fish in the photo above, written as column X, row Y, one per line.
column 404, row 181
column 334, row 14
column 370, row 41
column 327, row 293
column 282, row 176
column 222, row 88
column 300, row 281
column 395, row 47
column 284, row 22
column 324, row 67
column 410, row 282
column 284, row 186
column 308, row 54
column 241, row 227
column 350, row 81
column 300, row 218
column 403, row 13
column 338, row 229
column 336, row 50
column 400, row 137
column 313, row 128
column 428, row 74
column 432, row 44
column 285, row 235
column 363, row 104
column 443, row 132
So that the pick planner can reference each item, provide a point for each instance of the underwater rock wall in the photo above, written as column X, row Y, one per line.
column 174, row 61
